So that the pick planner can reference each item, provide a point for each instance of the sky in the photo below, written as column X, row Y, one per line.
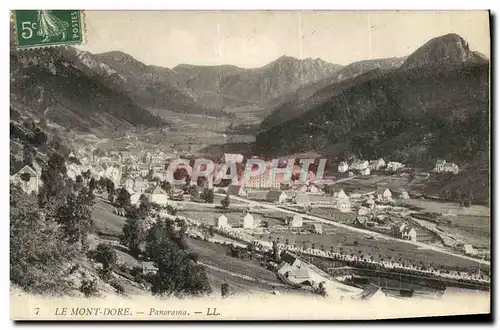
column 255, row 38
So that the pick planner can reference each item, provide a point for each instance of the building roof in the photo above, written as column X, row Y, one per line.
column 302, row 273
column 233, row 189
column 381, row 190
column 24, row 169
column 273, row 195
column 157, row 190
column 288, row 258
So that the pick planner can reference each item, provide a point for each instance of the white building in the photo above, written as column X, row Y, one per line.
column 343, row 167
column 249, row 221
column 27, row 179
column 339, row 193
column 276, row 196
column 409, row 234
column 296, row 221
column 221, row 222
column 383, row 194
column 359, row 165
column 469, row 250
column 365, row 171
column 443, row 166
column 135, row 198
column 376, row 165
column 394, row 166
column 302, row 200
column 158, row 195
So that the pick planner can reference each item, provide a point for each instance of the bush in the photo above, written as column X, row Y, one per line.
column 119, row 288
column 106, row 255
column 89, row 287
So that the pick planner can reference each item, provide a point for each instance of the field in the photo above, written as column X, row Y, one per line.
column 351, row 242
column 104, row 220
column 438, row 207
column 471, row 229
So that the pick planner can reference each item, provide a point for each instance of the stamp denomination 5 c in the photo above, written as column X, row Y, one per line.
column 40, row 28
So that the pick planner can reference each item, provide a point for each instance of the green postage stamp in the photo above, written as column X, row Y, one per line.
column 40, row 28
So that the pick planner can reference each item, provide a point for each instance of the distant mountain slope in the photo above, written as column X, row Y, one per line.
column 227, row 86
column 55, row 84
column 276, row 78
column 150, row 86
column 447, row 50
column 411, row 114
column 301, row 100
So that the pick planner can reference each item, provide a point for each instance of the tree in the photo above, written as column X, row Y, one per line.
column 26, row 177
column 193, row 191
column 106, row 255
column 92, row 185
column 37, row 250
column 276, row 251
column 165, row 185
column 53, row 177
column 177, row 274
column 28, row 155
column 224, row 290
column 225, row 202
column 130, row 236
column 75, row 216
column 123, row 198
column 112, row 196
column 208, row 195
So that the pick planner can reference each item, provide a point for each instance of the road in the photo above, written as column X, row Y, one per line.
column 355, row 229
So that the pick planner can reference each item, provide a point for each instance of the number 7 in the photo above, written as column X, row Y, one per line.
column 37, row 310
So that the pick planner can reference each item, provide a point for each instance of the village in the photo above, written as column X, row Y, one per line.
column 300, row 217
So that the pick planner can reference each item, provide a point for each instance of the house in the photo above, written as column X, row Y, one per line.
column 383, row 194
column 296, row 221
column 365, row 171
column 339, row 193
column 311, row 188
column 236, row 190
column 376, row 165
column 409, row 233
column 361, row 221
column 404, row 195
column 249, row 221
column 135, row 198
column 394, row 166
column 276, row 196
column 290, row 259
column 317, row 228
column 469, row 250
column 359, row 165
column 27, row 179
column 158, row 195
column 439, row 165
column 343, row 167
column 302, row 200
column 141, row 185
column 221, row 222
column 450, row 168
column 344, row 206
column 148, row 267
column 363, row 211
column 298, row 275
column 369, row 203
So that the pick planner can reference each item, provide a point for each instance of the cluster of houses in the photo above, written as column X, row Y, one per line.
column 443, row 167
column 365, row 167
column 248, row 220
